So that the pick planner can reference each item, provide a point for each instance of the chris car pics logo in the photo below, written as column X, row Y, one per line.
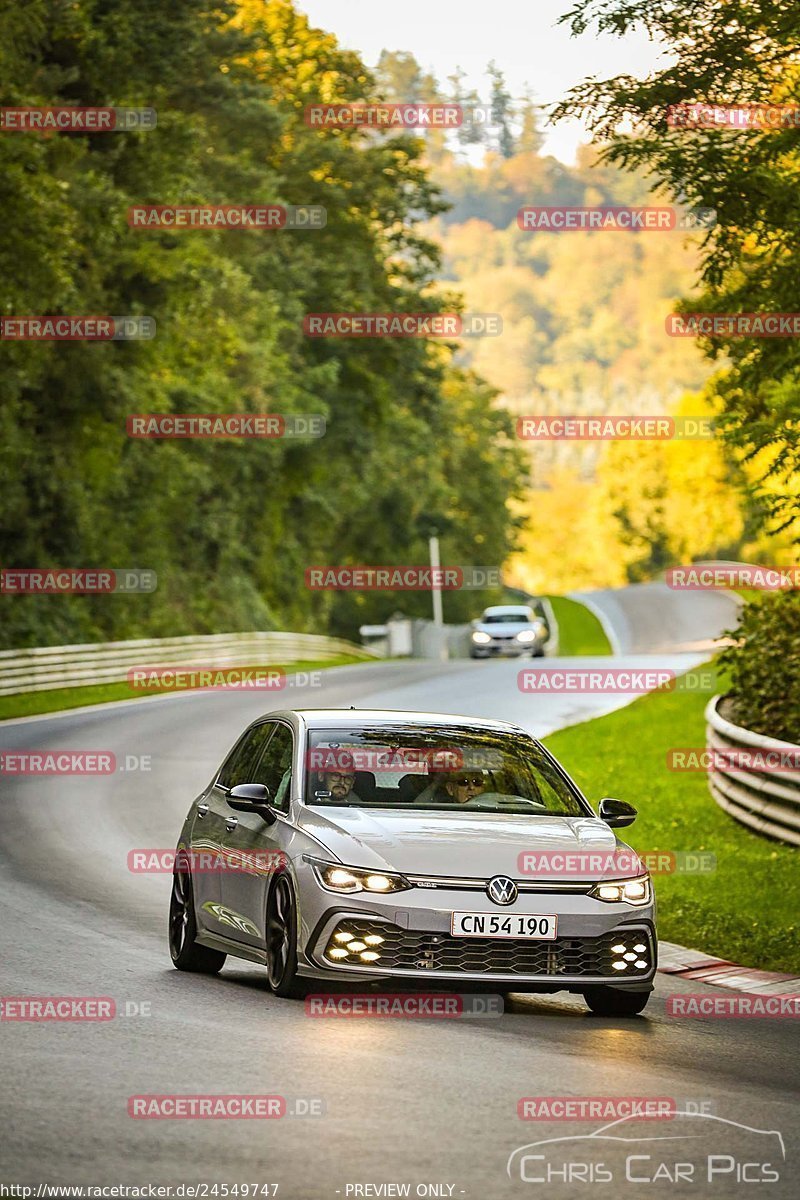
column 704, row 1154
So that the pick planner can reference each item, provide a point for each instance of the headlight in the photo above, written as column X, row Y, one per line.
column 481, row 637
column 527, row 635
column 336, row 878
column 624, row 891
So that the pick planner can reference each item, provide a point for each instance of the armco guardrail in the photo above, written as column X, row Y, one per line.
column 766, row 802
column 47, row 667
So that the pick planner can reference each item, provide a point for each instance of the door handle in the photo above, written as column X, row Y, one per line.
column 231, row 823
column 202, row 810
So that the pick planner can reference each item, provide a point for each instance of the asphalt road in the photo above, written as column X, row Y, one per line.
column 422, row 1102
column 651, row 618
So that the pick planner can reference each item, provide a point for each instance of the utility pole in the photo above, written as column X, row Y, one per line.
column 436, row 587
column 436, row 594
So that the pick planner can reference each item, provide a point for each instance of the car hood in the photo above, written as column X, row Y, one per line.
column 471, row 844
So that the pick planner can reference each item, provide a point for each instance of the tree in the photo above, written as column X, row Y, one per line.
column 530, row 140
column 502, row 111
column 400, row 77
column 470, row 132
column 229, row 527
column 740, row 53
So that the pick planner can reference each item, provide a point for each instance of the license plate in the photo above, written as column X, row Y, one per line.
column 541, row 928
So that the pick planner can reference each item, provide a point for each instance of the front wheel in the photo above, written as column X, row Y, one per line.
column 612, row 1002
column 186, row 953
column 281, row 941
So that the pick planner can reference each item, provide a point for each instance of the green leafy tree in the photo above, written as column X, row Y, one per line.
column 726, row 53
column 764, row 667
column 229, row 527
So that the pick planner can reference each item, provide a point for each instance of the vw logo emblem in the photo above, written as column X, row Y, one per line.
column 501, row 890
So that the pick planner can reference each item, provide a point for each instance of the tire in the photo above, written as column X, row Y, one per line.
column 185, row 951
column 612, row 1002
column 281, row 941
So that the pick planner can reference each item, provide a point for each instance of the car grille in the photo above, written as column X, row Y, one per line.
column 412, row 950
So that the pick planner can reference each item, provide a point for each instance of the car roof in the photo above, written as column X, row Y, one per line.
column 323, row 718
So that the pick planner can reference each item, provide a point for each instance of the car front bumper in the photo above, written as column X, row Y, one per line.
column 417, row 945
column 504, row 649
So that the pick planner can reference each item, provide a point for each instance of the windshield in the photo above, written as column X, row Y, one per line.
column 441, row 768
column 505, row 618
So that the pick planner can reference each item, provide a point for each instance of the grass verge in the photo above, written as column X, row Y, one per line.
column 579, row 631
column 747, row 909
column 28, row 704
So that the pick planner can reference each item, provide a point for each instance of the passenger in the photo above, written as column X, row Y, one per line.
column 456, row 787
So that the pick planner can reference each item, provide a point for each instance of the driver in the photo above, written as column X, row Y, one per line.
column 338, row 782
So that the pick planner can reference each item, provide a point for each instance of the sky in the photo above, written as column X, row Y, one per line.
column 520, row 35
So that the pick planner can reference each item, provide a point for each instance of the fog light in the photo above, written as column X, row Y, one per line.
column 618, row 949
column 620, row 966
column 640, row 948
column 343, row 937
column 629, row 957
column 337, row 952
column 375, row 939
column 370, row 955
column 356, row 946
column 640, row 963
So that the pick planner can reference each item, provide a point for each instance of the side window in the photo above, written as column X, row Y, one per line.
column 241, row 764
column 275, row 767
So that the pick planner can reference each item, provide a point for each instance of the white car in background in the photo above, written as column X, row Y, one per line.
column 508, row 630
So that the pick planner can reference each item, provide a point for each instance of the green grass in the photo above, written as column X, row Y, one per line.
column 747, row 909
column 28, row 704
column 579, row 630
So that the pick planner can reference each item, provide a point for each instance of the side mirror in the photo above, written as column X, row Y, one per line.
column 616, row 813
column 251, row 797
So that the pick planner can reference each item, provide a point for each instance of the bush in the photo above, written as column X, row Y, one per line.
column 764, row 667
